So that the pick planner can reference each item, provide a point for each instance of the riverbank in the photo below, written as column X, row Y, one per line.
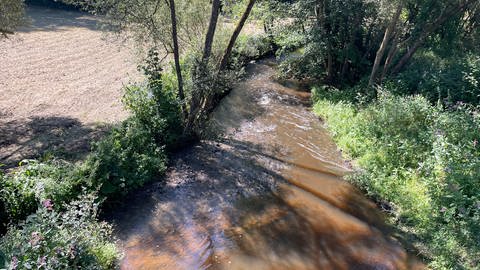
column 421, row 163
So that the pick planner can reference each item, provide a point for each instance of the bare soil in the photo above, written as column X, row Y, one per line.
column 61, row 81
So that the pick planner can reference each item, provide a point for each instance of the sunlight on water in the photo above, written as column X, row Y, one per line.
column 269, row 195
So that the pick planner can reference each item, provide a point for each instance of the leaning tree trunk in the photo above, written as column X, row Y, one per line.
column 386, row 39
column 390, row 56
column 176, row 57
column 444, row 16
column 236, row 32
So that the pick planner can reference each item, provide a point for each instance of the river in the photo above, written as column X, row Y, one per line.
column 266, row 193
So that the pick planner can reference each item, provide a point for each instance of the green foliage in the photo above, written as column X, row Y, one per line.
column 339, row 34
column 422, row 159
column 450, row 80
column 249, row 48
column 49, row 239
column 134, row 152
column 149, row 22
column 12, row 15
column 126, row 159
column 156, row 104
column 23, row 189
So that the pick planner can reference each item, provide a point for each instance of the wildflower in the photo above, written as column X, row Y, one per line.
column 48, row 204
column 14, row 262
column 35, row 238
column 475, row 142
column 443, row 210
column 72, row 252
column 42, row 261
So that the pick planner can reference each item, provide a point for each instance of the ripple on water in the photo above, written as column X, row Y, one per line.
column 268, row 195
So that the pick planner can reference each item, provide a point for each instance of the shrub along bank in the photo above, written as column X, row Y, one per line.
column 422, row 161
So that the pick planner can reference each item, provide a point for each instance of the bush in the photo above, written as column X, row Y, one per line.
column 52, row 240
column 424, row 161
column 135, row 151
column 155, row 104
column 251, row 47
column 23, row 189
column 125, row 160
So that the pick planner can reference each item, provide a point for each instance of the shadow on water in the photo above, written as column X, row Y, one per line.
column 223, row 208
column 267, row 194
column 36, row 136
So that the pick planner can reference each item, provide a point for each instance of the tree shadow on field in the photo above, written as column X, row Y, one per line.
column 34, row 137
column 41, row 18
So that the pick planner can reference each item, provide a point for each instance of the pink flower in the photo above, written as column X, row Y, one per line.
column 443, row 210
column 35, row 238
column 48, row 204
column 475, row 142
column 41, row 262
column 14, row 262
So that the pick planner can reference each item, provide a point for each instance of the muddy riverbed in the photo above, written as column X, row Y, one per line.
column 267, row 193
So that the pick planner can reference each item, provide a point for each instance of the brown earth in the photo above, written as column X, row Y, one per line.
column 60, row 82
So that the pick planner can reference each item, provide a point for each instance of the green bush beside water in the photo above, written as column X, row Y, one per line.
column 65, row 232
column 423, row 160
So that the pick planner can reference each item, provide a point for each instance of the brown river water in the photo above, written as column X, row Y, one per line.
column 266, row 193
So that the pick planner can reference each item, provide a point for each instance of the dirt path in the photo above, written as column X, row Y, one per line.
column 266, row 194
column 59, row 78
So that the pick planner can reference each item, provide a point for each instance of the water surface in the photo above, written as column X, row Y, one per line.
column 268, row 193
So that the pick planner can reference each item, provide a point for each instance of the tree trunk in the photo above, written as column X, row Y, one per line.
column 212, row 25
column 386, row 39
column 390, row 56
column 236, row 32
column 444, row 16
column 198, row 95
column 176, row 56
column 329, row 63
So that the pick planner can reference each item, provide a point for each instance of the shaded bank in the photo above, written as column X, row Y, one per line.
column 51, row 4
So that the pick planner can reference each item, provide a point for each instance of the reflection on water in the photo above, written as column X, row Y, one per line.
column 268, row 194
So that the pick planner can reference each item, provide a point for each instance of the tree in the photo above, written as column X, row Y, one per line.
column 236, row 32
column 423, row 30
column 157, row 24
column 200, row 73
column 383, row 46
column 212, row 25
column 12, row 15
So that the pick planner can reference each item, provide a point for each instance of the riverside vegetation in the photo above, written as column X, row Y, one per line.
column 49, row 207
column 397, row 83
column 406, row 111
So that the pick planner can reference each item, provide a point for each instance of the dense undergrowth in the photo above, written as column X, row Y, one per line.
column 50, row 206
column 419, row 158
